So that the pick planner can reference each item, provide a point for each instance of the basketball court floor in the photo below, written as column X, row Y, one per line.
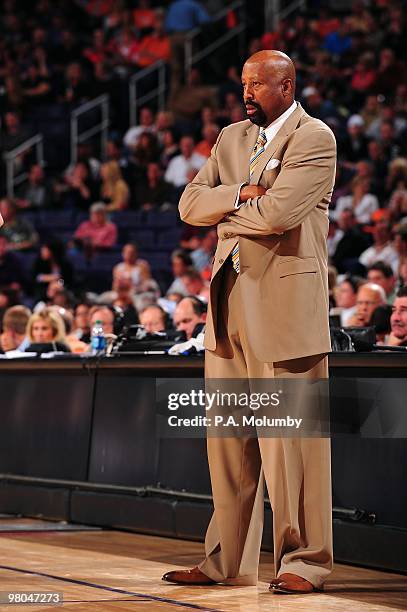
column 108, row 570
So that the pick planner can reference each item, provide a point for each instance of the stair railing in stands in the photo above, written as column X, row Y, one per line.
column 101, row 127
column 275, row 11
column 135, row 101
column 192, row 58
column 11, row 159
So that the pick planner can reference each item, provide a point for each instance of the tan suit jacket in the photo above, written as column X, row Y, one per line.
column 282, row 235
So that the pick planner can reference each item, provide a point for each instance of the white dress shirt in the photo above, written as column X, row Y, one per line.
column 271, row 132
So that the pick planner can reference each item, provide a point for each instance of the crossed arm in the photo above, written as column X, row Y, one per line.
column 306, row 175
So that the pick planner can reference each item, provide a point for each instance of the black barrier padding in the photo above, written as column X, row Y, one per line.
column 34, row 501
column 192, row 519
column 45, row 423
column 183, row 465
column 370, row 474
column 143, row 514
column 124, row 445
column 370, row 545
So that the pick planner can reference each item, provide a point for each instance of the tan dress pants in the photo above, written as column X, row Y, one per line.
column 297, row 471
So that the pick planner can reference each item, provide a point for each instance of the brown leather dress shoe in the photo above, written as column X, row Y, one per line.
column 192, row 576
column 291, row 584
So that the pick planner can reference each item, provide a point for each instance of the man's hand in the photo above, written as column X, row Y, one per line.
column 251, row 191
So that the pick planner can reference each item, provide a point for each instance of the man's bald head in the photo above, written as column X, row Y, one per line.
column 276, row 62
column 268, row 79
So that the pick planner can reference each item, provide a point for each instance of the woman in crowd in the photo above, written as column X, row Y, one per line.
column 114, row 190
column 46, row 328
column 362, row 202
column 51, row 265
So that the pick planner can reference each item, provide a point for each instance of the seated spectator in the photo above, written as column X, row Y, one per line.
column 398, row 336
column 79, row 189
column 81, row 325
column 46, row 332
column 392, row 145
column 354, row 146
column 400, row 242
column 13, row 133
column 106, row 316
column 338, row 41
column 180, row 261
column 72, row 341
column 163, row 121
column 382, row 274
column 125, row 46
column 98, row 53
column 155, row 46
column 75, row 89
column 349, row 245
column 363, row 77
column 36, row 194
column 114, row 190
column 362, row 202
column 179, row 169
column 382, row 248
column 368, row 298
column 98, row 233
column 68, row 50
column 56, row 295
column 144, row 16
column 123, row 298
column 195, row 285
column 389, row 72
column 145, row 151
column 203, row 255
column 190, row 316
column 210, row 134
column 133, row 134
column 370, row 112
column 345, row 299
column 153, row 318
column 11, row 271
column 317, row 106
column 50, row 266
column 19, row 232
column 36, row 86
column 170, row 148
column 155, row 192
column 380, row 320
column 85, row 154
column 15, row 322
column 138, row 270
column 377, row 158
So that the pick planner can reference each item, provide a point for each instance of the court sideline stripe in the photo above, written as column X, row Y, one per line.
column 111, row 589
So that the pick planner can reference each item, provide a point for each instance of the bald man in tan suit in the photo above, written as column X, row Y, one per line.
column 267, row 186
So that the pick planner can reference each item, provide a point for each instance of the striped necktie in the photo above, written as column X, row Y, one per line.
column 257, row 151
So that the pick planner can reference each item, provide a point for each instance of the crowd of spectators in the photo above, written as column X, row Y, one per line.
column 350, row 74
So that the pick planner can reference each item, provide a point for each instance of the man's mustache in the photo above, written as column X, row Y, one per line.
column 253, row 104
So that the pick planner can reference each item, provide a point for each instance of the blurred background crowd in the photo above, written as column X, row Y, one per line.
column 96, row 235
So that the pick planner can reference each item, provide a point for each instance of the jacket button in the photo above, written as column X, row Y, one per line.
column 221, row 261
column 227, row 235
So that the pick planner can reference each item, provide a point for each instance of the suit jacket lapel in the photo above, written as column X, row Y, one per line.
column 285, row 130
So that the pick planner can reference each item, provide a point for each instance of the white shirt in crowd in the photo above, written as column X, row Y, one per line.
column 363, row 209
column 179, row 167
column 133, row 134
column 388, row 254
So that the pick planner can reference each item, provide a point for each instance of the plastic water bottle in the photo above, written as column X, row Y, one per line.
column 98, row 339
